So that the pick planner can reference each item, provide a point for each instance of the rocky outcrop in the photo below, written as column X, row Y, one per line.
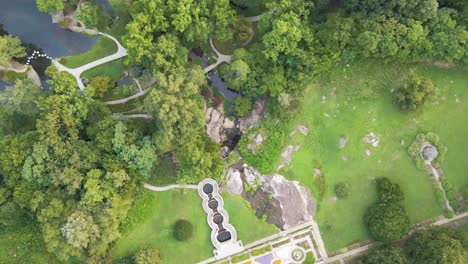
column 227, row 132
column 285, row 203
column 253, row 119
column 218, row 124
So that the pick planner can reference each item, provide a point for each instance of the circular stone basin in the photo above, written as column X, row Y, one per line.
column 218, row 218
column 213, row 203
column 208, row 188
column 298, row 254
column 224, row 236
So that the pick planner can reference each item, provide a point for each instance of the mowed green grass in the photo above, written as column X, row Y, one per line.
column 114, row 69
column 170, row 206
column 342, row 221
column 103, row 48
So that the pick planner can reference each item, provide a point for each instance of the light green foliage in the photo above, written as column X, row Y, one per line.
column 10, row 47
column 91, row 15
column 242, row 106
column 140, row 156
column 147, row 256
column 99, row 86
column 236, row 74
column 414, row 92
column 176, row 104
column 80, row 230
column 50, row 6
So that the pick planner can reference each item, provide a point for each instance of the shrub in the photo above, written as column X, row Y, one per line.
column 242, row 106
column 183, row 230
column 440, row 197
column 99, row 86
column 147, row 256
column 92, row 16
column 387, row 221
column 448, row 186
column 309, row 258
column 342, row 190
column 385, row 255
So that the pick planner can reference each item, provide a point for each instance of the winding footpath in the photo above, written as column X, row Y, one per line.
column 170, row 187
column 121, row 52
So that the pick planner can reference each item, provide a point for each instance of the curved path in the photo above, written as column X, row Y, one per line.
column 121, row 52
column 221, row 58
column 145, row 116
column 170, row 187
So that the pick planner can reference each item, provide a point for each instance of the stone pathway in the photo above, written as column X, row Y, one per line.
column 170, row 187
column 221, row 58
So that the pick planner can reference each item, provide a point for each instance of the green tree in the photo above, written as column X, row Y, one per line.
column 50, row 6
column 437, row 245
column 385, row 255
column 236, row 74
column 414, row 92
column 80, row 230
column 242, row 106
column 10, row 47
column 147, row 256
column 177, row 105
column 91, row 15
column 387, row 221
column 99, row 85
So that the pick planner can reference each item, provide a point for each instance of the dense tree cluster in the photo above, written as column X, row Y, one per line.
column 10, row 47
column 434, row 245
column 300, row 40
column 74, row 170
column 387, row 219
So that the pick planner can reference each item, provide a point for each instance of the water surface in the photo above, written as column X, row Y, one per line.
column 21, row 18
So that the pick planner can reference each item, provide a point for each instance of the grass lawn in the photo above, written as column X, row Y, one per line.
column 167, row 208
column 114, row 69
column 103, row 48
column 351, row 117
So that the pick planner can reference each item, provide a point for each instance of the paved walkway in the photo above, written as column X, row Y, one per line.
column 170, row 187
column 220, row 58
column 145, row 116
column 121, row 52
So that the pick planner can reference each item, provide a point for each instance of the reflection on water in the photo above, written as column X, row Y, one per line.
column 21, row 18
column 3, row 84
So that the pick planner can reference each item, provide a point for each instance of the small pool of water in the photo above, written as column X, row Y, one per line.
column 217, row 83
column 22, row 18
column 3, row 84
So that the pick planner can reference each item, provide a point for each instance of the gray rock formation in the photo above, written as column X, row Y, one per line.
column 234, row 183
column 286, row 203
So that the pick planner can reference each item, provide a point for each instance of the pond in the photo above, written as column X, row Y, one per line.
column 21, row 18
column 3, row 84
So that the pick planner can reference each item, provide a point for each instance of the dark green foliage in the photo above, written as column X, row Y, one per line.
column 388, row 191
column 183, row 230
column 242, row 106
column 92, row 15
column 387, row 221
column 385, row 255
column 141, row 209
column 414, row 92
column 438, row 246
column 342, row 190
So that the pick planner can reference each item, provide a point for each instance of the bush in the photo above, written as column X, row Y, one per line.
column 92, row 16
column 183, row 230
column 99, row 86
column 342, row 190
column 387, row 221
column 242, row 106
column 309, row 258
column 142, row 208
column 448, row 186
column 147, row 256
column 440, row 197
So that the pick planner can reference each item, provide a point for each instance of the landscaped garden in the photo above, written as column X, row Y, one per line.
column 163, row 210
column 357, row 100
